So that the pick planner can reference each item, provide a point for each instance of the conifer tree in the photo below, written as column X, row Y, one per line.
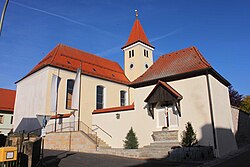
column 131, row 141
column 189, row 136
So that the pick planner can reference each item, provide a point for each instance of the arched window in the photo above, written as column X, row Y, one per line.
column 123, row 99
column 99, row 97
column 70, row 84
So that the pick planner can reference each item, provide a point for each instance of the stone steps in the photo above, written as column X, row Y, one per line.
column 100, row 142
column 158, row 149
column 163, row 144
column 154, row 150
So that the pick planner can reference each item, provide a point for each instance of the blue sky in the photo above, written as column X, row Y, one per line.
column 219, row 29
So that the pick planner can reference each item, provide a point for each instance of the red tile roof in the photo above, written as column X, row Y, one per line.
column 137, row 34
column 7, row 99
column 179, row 62
column 68, row 58
column 167, row 87
column 114, row 109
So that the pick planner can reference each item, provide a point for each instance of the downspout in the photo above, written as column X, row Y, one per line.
column 129, row 95
column 211, row 110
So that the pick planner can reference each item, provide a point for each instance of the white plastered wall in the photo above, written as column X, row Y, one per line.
column 222, row 117
column 88, row 94
column 31, row 97
column 194, row 108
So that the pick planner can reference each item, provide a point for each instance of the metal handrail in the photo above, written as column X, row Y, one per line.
column 89, row 131
column 82, row 127
column 98, row 127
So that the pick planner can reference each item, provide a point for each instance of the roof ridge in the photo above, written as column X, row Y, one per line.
column 201, row 57
column 54, row 56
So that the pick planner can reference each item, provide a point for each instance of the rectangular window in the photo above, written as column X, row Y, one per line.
column 1, row 119
column 133, row 53
column 145, row 53
column 129, row 54
column 123, row 98
column 70, row 85
column 11, row 119
column 99, row 97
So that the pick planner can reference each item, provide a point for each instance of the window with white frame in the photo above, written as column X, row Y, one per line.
column 70, row 85
column 99, row 97
column 123, row 99
column 145, row 53
column 131, row 53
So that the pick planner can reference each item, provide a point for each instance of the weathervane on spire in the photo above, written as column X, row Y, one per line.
column 136, row 13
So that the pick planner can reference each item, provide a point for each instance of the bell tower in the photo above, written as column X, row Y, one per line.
column 138, row 52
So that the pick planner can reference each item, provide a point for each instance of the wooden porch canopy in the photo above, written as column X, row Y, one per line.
column 163, row 92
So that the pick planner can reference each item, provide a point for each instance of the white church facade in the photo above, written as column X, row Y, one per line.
column 179, row 87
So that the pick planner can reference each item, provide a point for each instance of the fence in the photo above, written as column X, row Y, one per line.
column 28, row 146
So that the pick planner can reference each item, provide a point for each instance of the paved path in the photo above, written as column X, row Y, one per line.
column 237, row 158
column 54, row 158
column 241, row 160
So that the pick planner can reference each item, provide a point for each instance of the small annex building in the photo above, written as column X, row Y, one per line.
column 7, row 101
column 177, row 88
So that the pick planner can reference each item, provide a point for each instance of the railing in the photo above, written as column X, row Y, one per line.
column 98, row 127
column 87, row 130
column 62, row 127
column 71, row 127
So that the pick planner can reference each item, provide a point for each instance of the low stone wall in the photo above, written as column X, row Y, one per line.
column 192, row 153
column 165, row 135
column 69, row 141
column 130, row 153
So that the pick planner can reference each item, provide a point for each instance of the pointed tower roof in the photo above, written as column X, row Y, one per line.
column 137, row 34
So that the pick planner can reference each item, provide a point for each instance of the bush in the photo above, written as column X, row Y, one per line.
column 131, row 141
column 189, row 136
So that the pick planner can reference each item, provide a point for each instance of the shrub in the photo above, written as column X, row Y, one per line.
column 189, row 136
column 131, row 141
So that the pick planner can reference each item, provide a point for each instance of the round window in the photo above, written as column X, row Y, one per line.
column 131, row 66
column 146, row 65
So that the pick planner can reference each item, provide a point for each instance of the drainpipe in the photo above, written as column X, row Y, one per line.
column 129, row 95
column 211, row 110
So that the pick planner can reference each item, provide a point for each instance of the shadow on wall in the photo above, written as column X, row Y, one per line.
column 225, row 139
column 28, row 124
column 243, row 129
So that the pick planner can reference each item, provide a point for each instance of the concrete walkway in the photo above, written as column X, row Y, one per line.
column 237, row 158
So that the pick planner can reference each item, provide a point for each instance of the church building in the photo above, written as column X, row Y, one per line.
column 151, row 97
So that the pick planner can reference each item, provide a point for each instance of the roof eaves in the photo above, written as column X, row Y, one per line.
column 126, row 45
column 114, row 109
column 219, row 77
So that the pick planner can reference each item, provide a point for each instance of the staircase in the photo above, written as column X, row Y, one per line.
column 163, row 142
column 100, row 143
column 158, row 149
column 65, row 138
